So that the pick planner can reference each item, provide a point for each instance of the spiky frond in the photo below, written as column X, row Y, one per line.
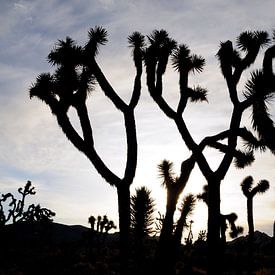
column 66, row 52
column 97, row 36
column 263, row 124
column 158, row 37
column 183, row 60
column 164, row 52
column 198, row 94
column 251, row 143
column 188, row 205
column 249, row 40
column 244, row 40
column 166, row 173
column 243, row 159
column 197, row 63
column 180, row 57
column 261, row 187
column 43, row 87
column 246, row 185
column 256, row 85
column 262, row 38
column 136, row 39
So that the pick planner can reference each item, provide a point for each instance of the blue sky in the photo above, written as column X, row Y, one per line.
column 33, row 147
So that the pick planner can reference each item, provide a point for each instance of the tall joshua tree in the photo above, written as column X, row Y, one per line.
column 77, row 72
column 259, row 88
column 249, row 191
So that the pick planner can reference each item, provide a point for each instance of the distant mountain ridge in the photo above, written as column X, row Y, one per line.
column 261, row 242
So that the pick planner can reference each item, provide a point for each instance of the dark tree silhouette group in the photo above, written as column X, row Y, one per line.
column 76, row 74
column 102, row 225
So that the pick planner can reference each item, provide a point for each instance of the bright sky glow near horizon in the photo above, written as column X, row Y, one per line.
column 33, row 147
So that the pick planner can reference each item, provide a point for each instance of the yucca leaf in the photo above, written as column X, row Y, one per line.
column 198, row 94
column 243, row 159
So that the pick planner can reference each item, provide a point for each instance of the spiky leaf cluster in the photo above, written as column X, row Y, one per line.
column 249, row 40
column 73, row 79
column 243, row 159
column 97, row 36
column 187, row 206
column 183, row 60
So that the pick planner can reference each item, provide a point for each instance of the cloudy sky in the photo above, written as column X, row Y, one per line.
column 32, row 146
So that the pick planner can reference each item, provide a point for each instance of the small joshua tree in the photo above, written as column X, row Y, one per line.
column 166, row 250
column 16, row 208
column 91, row 221
column 249, row 191
column 142, row 213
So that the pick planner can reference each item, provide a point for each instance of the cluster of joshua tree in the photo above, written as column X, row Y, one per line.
column 77, row 74
column 102, row 225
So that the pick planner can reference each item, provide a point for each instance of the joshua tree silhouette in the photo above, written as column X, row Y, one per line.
column 142, row 212
column 249, row 191
column 165, row 255
column 98, row 223
column 142, row 220
column 91, row 221
column 16, row 208
column 68, row 87
column 259, row 88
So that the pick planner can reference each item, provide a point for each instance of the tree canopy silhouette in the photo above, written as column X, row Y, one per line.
column 76, row 74
column 259, row 89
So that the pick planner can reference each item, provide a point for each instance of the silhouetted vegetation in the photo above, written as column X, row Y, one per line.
column 142, row 213
column 16, row 212
column 170, row 235
column 142, row 221
column 103, row 225
column 259, row 88
column 226, row 221
column 249, row 191
column 77, row 72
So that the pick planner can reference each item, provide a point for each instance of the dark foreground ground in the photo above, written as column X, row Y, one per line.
column 61, row 249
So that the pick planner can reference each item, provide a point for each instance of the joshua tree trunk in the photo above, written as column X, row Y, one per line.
column 123, row 192
column 250, row 234
column 250, row 219
column 165, row 255
column 213, row 237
